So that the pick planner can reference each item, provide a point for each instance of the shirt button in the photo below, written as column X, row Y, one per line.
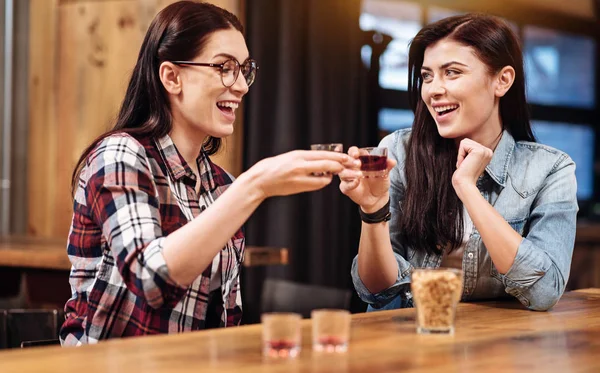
column 470, row 255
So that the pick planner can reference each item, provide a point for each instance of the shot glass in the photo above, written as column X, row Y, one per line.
column 436, row 293
column 281, row 334
column 333, row 147
column 373, row 162
column 330, row 330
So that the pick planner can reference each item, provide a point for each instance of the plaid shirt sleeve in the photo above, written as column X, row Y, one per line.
column 122, row 198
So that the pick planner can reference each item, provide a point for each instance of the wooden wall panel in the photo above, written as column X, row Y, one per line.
column 42, row 122
column 82, row 54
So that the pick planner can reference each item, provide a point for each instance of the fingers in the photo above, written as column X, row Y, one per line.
column 346, row 186
column 391, row 163
column 311, row 155
column 353, row 152
column 468, row 146
column 462, row 153
column 322, row 166
column 312, row 183
column 350, row 174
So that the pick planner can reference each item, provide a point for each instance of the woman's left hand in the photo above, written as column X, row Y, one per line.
column 472, row 160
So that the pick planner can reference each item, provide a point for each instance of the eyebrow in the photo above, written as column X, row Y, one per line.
column 230, row 56
column 447, row 64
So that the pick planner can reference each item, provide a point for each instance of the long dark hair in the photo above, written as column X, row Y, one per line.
column 432, row 213
column 178, row 32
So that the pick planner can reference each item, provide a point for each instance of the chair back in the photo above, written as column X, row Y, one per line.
column 286, row 296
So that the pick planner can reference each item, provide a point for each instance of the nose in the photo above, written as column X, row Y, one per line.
column 240, row 86
column 437, row 87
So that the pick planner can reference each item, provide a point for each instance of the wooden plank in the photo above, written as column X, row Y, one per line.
column 490, row 336
column 95, row 59
column 31, row 252
column 42, row 121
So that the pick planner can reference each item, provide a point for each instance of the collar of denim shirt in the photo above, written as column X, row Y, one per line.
column 498, row 166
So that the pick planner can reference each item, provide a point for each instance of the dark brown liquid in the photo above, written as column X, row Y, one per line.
column 372, row 163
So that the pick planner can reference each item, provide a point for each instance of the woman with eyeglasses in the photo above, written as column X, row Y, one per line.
column 156, row 242
column 468, row 186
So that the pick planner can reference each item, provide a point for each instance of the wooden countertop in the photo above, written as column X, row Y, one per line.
column 490, row 337
column 41, row 253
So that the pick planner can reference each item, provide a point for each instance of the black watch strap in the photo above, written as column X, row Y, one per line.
column 379, row 216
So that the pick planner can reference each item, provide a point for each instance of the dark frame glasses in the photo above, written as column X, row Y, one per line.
column 230, row 70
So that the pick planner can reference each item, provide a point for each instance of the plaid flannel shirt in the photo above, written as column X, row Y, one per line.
column 132, row 193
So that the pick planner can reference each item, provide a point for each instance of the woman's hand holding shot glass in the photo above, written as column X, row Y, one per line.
column 294, row 172
column 366, row 182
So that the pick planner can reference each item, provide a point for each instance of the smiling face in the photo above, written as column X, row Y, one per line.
column 460, row 93
column 202, row 106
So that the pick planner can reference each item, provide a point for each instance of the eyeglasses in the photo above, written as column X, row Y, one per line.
column 230, row 70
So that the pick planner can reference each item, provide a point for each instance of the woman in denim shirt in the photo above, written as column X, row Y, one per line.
column 468, row 186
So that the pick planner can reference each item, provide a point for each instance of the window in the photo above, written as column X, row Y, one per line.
column 400, row 20
column 391, row 120
column 559, row 68
column 577, row 140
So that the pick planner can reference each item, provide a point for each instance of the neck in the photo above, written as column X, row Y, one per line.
column 488, row 134
column 188, row 141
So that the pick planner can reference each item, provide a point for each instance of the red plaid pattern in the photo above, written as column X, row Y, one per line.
column 132, row 193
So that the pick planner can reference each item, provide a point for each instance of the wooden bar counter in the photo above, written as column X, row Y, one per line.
column 490, row 337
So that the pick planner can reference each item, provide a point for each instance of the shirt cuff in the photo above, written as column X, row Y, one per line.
column 378, row 300
column 528, row 267
column 159, row 287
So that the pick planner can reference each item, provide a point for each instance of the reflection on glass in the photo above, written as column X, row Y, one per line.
column 400, row 20
column 559, row 68
column 577, row 141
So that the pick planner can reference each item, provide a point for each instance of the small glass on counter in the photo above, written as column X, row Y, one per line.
column 330, row 330
column 281, row 334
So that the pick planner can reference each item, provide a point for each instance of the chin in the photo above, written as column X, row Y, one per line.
column 447, row 132
column 224, row 130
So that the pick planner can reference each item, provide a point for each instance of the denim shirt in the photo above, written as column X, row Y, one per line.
column 533, row 187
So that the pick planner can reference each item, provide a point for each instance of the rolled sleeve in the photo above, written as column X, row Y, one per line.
column 540, row 271
column 401, row 288
column 121, row 193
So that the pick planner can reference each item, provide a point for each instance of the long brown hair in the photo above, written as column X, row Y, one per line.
column 432, row 213
column 178, row 32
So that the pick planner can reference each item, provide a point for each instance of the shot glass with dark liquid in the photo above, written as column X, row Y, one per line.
column 373, row 162
column 281, row 334
column 333, row 147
